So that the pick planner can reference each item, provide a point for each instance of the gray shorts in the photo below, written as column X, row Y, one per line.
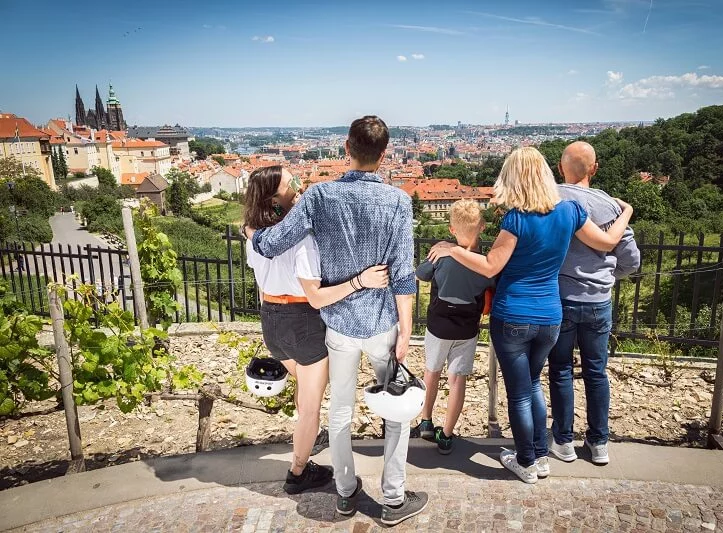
column 458, row 354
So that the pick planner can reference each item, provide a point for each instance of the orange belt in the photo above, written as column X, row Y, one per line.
column 285, row 299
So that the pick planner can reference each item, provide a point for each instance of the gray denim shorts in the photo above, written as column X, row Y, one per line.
column 458, row 354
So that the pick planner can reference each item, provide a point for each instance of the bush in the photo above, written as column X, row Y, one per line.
column 34, row 227
column 78, row 175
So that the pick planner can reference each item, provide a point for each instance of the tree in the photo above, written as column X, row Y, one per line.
column 219, row 159
column 417, row 207
column 106, row 179
column 427, row 157
column 182, row 188
column 62, row 164
column 646, row 200
column 55, row 163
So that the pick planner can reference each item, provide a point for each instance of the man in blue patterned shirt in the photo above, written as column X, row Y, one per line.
column 358, row 221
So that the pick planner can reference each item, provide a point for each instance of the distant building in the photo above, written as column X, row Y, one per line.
column 154, row 188
column 230, row 180
column 98, row 118
column 176, row 137
column 438, row 195
column 28, row 144
column 142, row 156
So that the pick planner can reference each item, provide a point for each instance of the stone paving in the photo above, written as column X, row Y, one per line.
column 457, row 503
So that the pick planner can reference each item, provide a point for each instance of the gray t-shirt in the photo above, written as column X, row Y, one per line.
column 588, row 275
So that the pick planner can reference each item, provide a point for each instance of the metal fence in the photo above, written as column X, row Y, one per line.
column 674, row 297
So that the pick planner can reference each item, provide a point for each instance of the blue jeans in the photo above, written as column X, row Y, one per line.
column 590, row 324
column 522, row 350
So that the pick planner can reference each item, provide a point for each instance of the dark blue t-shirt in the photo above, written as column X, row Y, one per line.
column 528, row 291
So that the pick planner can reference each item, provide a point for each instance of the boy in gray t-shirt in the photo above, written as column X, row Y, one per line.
column 455, row 308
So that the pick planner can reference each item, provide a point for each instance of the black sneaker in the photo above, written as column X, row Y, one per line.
column 444, row 443
column 425, row 430
column 346, row 505
column 414, row 503
column 311, row 477
column 321, row 442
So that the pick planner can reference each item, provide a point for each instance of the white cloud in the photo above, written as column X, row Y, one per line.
column 401, row 58
column 207, row 26
column 263, row 39
column 614, row 78
column 430, row 29
column 417, row 56
column 662, row 87
column 572, row 72
column 703, row 67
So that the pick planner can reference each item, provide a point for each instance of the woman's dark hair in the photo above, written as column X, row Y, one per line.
column 263, row 184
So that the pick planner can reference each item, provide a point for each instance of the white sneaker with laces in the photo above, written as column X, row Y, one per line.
column 528, row 474
column 543, row 467
column 599, row 453
column 564, row 452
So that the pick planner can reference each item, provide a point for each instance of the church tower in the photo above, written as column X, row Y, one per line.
column 507, row 116
column 101, row 119
column 115, row 112
column 80, row 118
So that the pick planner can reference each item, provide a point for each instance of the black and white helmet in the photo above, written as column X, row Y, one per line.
column 265, row 376
column 400, row 397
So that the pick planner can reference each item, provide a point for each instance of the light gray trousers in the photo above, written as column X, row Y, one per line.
column 344, row 356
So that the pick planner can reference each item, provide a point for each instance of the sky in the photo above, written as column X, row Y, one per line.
column 291, row 63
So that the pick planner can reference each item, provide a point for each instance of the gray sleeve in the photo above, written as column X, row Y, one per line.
column 627, row 254
column 425, row 271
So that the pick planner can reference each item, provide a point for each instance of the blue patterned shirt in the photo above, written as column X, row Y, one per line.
column 358, row 222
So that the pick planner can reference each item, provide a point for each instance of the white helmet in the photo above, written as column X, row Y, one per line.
column 265, row 376
column 400, row 398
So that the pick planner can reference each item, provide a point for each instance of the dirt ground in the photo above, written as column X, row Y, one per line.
column 36, row 447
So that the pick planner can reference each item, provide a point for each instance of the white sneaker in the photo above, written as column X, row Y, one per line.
column 599, row 453
column 543, row 467
column 564, row 452
column 528, row 474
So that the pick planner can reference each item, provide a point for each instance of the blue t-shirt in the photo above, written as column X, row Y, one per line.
column 528, row 291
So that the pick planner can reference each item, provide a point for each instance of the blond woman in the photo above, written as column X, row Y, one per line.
column 526, row 314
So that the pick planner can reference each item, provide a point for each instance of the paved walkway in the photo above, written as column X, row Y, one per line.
column 645, row 488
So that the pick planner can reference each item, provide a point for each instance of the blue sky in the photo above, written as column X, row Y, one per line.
column 237, row 63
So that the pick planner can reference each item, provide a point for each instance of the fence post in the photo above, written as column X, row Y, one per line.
column 493, row 426
column 229, row 260
column 139, row 298
column 77, row 462
column 207, row 395
column 715, row 439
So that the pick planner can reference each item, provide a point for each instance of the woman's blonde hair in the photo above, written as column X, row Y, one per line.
column 526, row 182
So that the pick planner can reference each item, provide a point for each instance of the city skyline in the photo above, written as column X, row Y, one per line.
column 249, row 65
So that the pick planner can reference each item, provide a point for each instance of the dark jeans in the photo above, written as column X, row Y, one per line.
column 590, row 324
column 522, row 350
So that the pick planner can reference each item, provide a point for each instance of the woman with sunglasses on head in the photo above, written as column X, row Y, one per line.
column 290, row 286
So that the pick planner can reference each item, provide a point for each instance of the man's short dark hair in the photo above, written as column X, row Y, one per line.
column 368, row 138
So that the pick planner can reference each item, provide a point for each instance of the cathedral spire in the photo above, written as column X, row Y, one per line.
column 100, row 115
column 80, row 117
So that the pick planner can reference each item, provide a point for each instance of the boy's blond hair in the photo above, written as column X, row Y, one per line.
column 526, row 182
column 465, row 216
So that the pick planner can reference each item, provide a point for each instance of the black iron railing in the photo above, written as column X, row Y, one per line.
column 674, row 297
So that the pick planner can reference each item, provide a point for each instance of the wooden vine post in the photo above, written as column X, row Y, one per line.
column 77, row 461
column 138, row 296
column 206, row 397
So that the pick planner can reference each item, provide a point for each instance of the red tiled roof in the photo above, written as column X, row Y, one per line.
column 133, row 178
column 135, row 143
column 8, row 123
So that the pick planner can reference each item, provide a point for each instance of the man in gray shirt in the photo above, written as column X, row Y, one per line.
column 586, row 280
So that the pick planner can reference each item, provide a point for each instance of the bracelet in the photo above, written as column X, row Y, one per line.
column 358, row 280
column 351, row 282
